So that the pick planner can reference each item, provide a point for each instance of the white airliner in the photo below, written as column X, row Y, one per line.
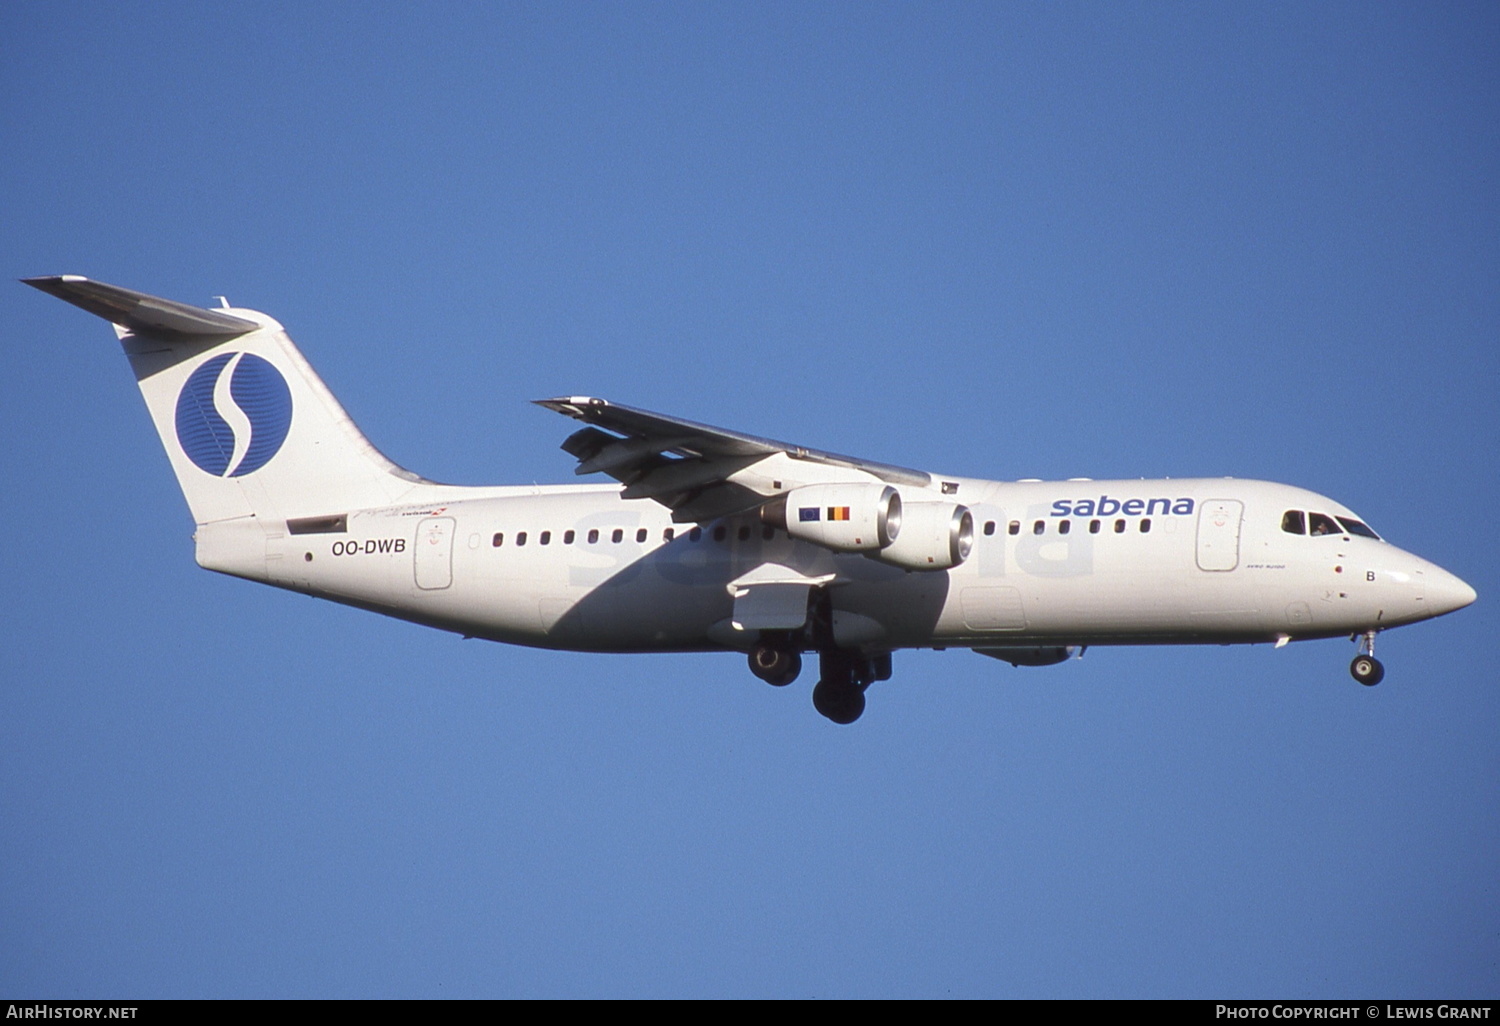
column 716, row 540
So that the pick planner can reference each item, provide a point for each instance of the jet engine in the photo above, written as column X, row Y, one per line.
column 934, row 536
column 842, row 517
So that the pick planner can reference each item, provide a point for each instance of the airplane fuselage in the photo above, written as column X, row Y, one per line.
column 1184, row 561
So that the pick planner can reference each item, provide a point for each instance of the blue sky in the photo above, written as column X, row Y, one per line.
column 1003, row 240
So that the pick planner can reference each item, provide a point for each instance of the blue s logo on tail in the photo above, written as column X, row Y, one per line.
column 233, row 414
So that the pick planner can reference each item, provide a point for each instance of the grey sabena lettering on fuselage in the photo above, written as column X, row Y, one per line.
column 1104, row 506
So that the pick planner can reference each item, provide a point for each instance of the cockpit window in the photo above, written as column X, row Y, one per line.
column 1293, row 523
column 1320, row 524
column 1356, row 527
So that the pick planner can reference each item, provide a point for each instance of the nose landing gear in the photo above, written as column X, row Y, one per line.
column 1366, row 668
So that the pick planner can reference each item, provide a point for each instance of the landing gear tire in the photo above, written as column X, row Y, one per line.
column 840, row 693
column 775, row 665
column 1367, row 670
column 839, row 702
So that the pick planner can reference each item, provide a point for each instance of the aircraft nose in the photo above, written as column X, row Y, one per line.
column 1446, row 592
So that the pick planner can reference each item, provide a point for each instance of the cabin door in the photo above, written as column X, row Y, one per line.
column 1219, row 534
column 434, row 553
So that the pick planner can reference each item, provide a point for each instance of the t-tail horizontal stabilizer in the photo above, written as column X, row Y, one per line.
column 143, row 314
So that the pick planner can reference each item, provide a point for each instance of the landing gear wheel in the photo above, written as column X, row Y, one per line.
column 840, row 703
column 1367, row 670
column 775, row 665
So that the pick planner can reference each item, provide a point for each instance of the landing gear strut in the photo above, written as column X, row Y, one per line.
column 840, row 693
column 1366, row 668
column 774, row 662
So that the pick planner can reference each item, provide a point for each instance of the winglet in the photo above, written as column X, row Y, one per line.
column 140, row 312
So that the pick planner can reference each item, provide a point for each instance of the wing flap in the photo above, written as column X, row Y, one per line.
column 724, row 500
column 674, row 476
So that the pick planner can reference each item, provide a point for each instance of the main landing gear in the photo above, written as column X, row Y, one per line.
column 843, row 674
column 1366, row 668
column 840, row 693
column 775, row 661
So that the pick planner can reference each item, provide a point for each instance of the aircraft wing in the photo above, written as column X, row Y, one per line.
column 697, row 471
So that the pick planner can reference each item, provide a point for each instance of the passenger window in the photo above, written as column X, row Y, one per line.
column 1093, row 527
column 744, row 532
column 521, row 538
column 668, row 534
column 720, row 533
column 546, row 538
column 695, row 534
column 618, row 536
column 568, row 537
column 1146, row 526
column 767, row 533
column 1015, row 527
column 1039, row 527
column 1358, row 527
column 1319, row 524
column 593, row 536
column 640, row 535
column 1292, row 522
column 989, row 527
column 498, row 540
column 1064, row 527
column 1119, row 527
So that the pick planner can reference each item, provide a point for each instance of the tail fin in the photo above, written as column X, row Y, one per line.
column 250, row 429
